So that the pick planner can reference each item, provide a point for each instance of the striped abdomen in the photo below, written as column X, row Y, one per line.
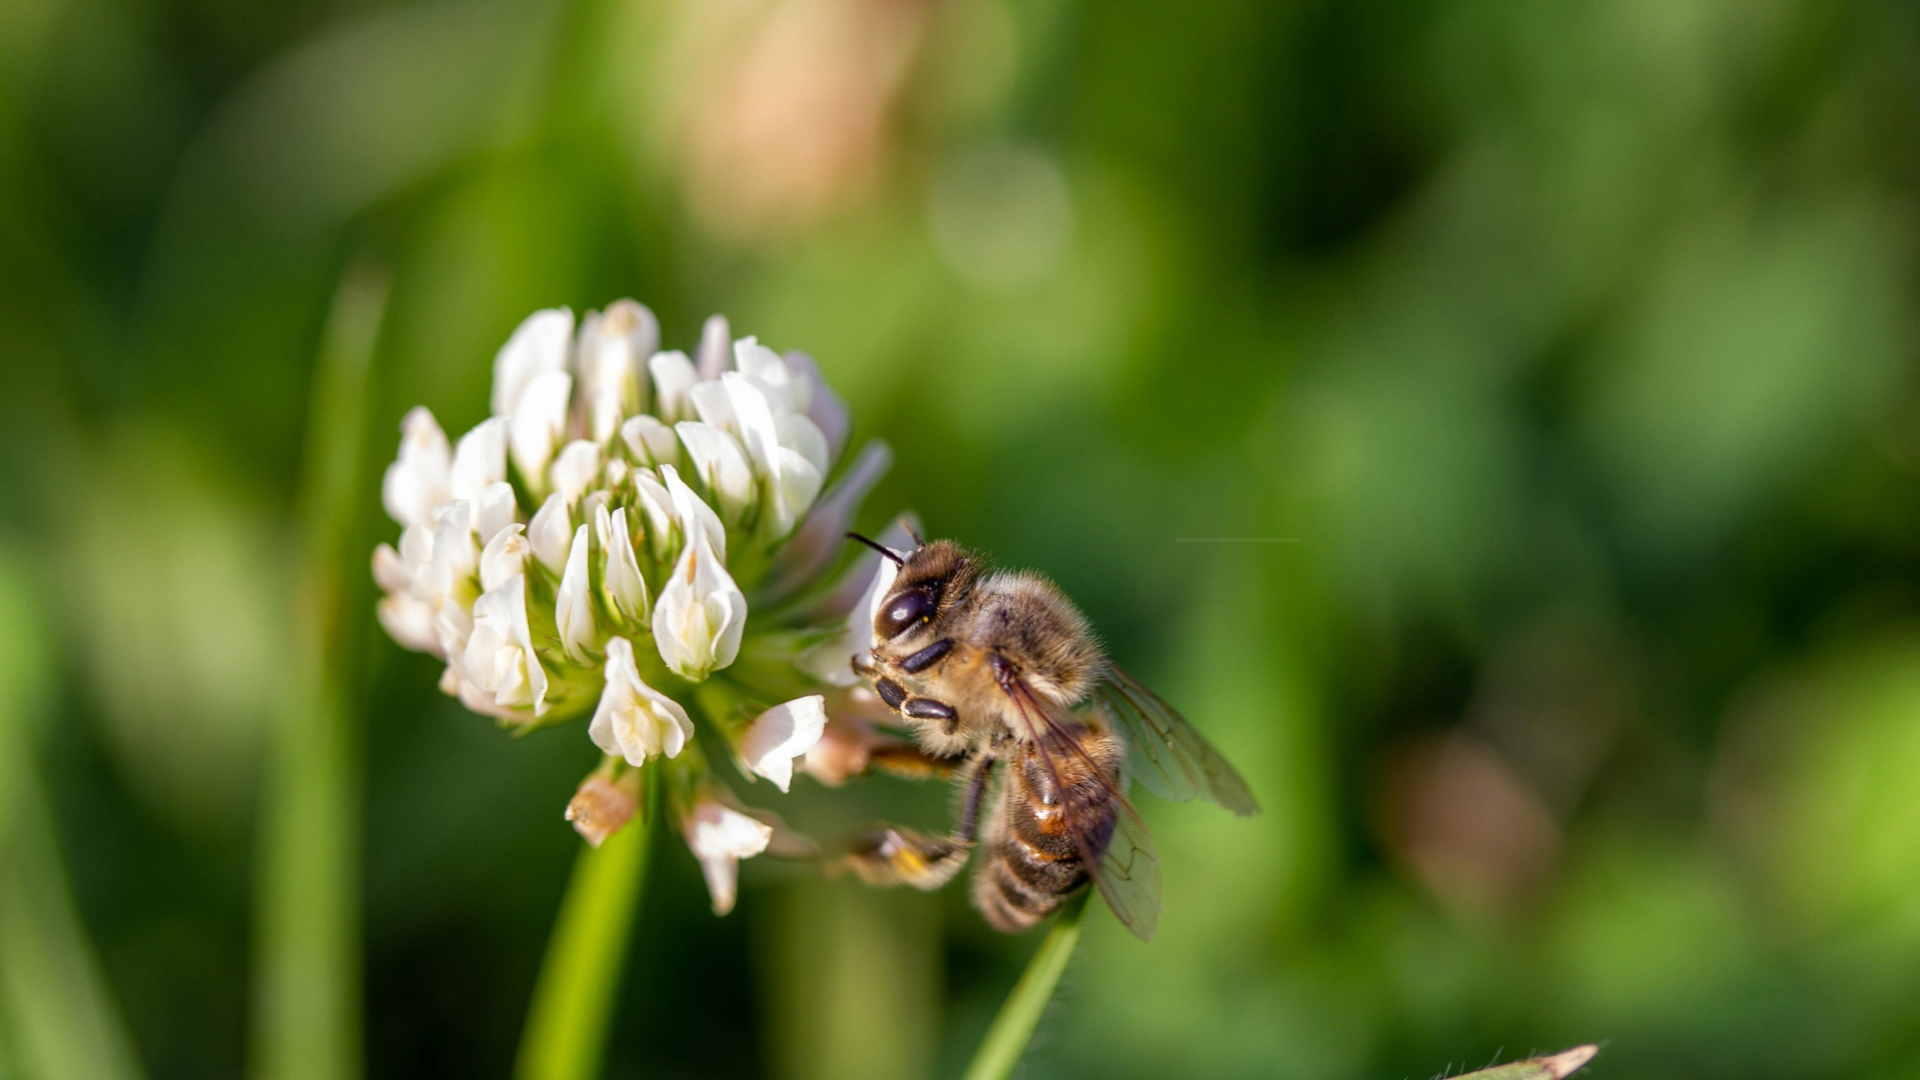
column 1028, row 863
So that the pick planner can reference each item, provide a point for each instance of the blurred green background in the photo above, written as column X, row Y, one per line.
column 1572, row 340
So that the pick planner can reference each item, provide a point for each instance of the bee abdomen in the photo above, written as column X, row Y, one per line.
column 1031, row 865
column 1016, row 887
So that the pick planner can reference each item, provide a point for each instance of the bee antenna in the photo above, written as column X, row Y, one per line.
column 918, row 540
column 879, row 547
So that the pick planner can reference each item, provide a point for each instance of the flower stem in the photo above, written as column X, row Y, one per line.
column 1007, row 1039
column 580, row 976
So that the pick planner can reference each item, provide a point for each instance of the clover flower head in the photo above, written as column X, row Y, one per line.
column 624, row 528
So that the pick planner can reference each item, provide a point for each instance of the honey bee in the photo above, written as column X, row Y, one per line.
column 998, row 671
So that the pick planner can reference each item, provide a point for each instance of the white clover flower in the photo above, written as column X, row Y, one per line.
column 692, row 514
column 660, row 492
column 404, row 616
column 711, row 359
column 701, row 613
column 503, row 557
column 626, row 589
column 782, row 733
column 575, row 469
column 612, row 347
column 573, row 610
column 499, row 659
column 538, row 347
column 479, row 461
column 455, row 556
column 720, row 837
column 550, row 532
column 633, row 720
column 650, row 441
column 656, row 504
column 673, row 380
column 416, row 482
column 721, row 463
column 495, row 509
column 538, row 423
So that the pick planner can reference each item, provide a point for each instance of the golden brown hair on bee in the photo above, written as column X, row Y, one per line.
column 1026, row 619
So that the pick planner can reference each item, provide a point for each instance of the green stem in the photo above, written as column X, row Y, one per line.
column 307, row 976
column 1007, row 1039
column 580, row 976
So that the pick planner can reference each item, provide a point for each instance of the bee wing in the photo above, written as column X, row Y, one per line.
column 1163, row 749
column 1117, row 851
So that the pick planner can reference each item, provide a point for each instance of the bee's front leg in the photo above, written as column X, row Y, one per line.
column 913, row 707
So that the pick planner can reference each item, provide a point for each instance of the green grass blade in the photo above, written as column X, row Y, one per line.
column 1007, row 1039
column 60, row 1019
column 307, row 995
column 580, row 975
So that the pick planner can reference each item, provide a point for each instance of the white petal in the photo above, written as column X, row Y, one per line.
column 764, row 366
column 650, row 441
column 692, row 513
column 752, row 413
column 455, row 557
column 711, row 403
column 390, row 571
column 633, row 719
column 505, row 555
column 720, row 836
column 409, row 621
column 673, row 378
column 721, row 464
column 495, row 509
column 538, row 423
column 573, row 471
column 796, row 485
column 538, row 347
column 823, row 406
column 714, row 339
column 611, row 347
column 550, row 533
column 657, row 505
column 799, row 434
column 781, row 734
column 499, row 657
column 480, row 460
column 700, row 615
column 626, row 589
column 573, row 608
column 416, row 482
column 453, row 625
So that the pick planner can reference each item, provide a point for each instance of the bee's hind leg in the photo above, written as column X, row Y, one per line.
column 898, row 855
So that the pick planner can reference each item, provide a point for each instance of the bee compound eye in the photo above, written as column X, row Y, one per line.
column 903, row 611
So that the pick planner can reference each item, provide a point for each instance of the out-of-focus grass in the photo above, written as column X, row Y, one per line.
column 307, row 1004
column 58, row 1017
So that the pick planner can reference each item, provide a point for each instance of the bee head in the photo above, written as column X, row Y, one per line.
column 932, row 579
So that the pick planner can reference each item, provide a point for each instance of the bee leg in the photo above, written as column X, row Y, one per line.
column 927, row 657
column 976, row 790
column 890, row 692
column 863, row 665
column 920, row 708
column 897, row 855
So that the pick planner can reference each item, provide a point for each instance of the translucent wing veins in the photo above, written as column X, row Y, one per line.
column 1172, row 759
